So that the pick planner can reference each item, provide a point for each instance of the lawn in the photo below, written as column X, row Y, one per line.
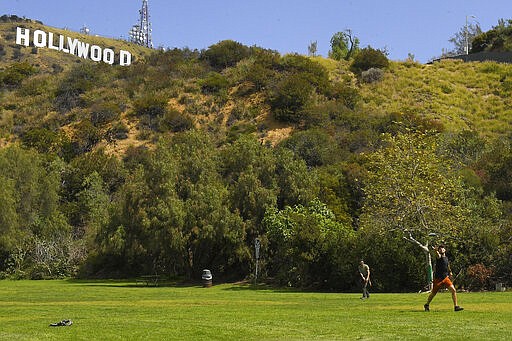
column 119, row 310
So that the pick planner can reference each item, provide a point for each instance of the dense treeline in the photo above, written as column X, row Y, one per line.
column 202, row 178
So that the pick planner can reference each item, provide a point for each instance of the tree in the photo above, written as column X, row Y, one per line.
column 312, row 48
column 30, row 212
column 214, row 236
column 343, row 45
column 248, row 167
column 307, row 247
column 497, row 39
column 413, row 192
column 464, row 38
column 495, row 168
column 94, row 204
column 8, row 215
column 296, row 183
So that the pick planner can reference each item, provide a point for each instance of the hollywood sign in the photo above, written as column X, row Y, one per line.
column 40, row 38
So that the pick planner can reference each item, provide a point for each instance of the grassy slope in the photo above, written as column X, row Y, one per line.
column 459, row 95
column 121, row 311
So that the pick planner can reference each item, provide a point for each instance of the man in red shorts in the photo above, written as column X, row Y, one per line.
column 442, row 279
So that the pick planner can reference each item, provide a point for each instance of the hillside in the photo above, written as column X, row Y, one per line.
column 474, row 96
column 460, row 96
column 180, row 160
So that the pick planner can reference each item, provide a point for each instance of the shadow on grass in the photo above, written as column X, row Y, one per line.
column 181, row 283
column 248, row 286
column 132, row 283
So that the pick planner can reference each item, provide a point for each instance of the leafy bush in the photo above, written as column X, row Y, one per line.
column 16, row 73
column 150, row 105
column 479, row 277
column 242, row 112
column 86, row 137
column 262, row 68
column 213, row 83
column 118, row 131
column 104, row 112
column 225, row 54
column 289, row 98
column 346, row 94
column 34, row 86
column 175, row 121
column 79, row 80
column 369, row 58
column 41, row 139
column 320, row 115
column 309, row 69
column 314, row 146
column 305, row 244
column 237, row 130
column 372, row 75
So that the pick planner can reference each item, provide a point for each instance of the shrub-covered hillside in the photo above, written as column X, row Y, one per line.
column 181, row 160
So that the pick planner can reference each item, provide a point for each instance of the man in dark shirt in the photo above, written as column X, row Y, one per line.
column 442, row 278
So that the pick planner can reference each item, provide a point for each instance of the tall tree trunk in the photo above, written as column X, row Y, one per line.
column 428, row 258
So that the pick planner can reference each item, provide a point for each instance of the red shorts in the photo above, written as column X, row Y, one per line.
column 438, row 283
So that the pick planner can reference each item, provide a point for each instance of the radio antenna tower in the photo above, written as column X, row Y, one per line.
column 140, row 33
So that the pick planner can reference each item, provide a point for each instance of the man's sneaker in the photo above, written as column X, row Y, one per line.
column 457, row 308
column 427, row 307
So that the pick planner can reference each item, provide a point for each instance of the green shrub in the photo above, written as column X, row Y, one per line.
column 16, row 73
column 240, row 129
column 104, row 112
column 174, row 121
column 41, row 139
column 79, row 80
column 368, row 58
column 290, row 97
column 320, row 115
column 34, row 86
column 86, row 137
column 118, row 131
column 213, row 83
column 151, row 105
column 347, row 94
column 225, row 54
column 263, row 68
column 372, row 75
column 242, row 112
column 314, row 146
column 309, row 69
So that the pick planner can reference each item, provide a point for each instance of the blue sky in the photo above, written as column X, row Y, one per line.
column 421, row 28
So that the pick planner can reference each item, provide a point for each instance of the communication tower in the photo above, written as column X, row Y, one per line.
column 140, row 33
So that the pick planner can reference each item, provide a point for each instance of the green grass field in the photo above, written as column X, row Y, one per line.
column 113, row 310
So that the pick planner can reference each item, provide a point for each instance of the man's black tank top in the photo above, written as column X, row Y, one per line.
column 442, row 268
